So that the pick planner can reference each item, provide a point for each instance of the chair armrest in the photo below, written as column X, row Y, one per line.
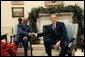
column 13, row 35
column 70, row 44
column 71, row 40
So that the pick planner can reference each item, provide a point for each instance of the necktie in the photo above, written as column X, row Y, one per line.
column 54, row 26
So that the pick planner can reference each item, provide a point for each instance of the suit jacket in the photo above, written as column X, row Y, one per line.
column 59, row 33
column 23, row 30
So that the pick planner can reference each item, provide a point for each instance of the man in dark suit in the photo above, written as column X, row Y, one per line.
column 23, row 30
column 55, row 31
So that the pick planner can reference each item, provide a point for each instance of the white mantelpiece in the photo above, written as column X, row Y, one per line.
column 44, row 20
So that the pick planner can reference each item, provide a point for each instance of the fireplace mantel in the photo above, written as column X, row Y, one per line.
column 61, row 16
column 69, row 13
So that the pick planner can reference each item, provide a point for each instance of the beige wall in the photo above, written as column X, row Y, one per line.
column 6, row 13
column 80, row 3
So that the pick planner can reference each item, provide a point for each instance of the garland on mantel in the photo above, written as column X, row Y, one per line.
column 77, row 17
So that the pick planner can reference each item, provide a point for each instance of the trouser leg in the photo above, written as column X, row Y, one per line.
column 25, row 45
column 64, row 48
column 48, row 45
column 16, row 41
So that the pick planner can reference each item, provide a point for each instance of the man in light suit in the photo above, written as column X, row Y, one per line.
column 23, row 30
column 55, row 31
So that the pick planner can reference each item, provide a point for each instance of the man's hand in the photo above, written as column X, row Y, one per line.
column 33, row 35
column 25, row 38
column 58, row 43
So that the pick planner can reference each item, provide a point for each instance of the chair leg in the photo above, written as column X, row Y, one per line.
column 82, row 48
column 31, row 51
column 75, row 49
column 10, row 39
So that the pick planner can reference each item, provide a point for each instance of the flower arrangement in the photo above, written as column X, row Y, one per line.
column 8, row 49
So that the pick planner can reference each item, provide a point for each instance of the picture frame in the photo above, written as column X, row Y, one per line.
column 53, row 3
column 17, row 11
column 17, row 2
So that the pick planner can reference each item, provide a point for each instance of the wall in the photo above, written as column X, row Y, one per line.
column 6, row 13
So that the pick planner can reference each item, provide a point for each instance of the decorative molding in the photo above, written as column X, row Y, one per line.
column 17, row 2
column 53, row 3
column 65, row 13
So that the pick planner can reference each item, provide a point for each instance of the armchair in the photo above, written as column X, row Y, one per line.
column 72, row 36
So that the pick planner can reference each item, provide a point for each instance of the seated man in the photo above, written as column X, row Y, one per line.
column 56, row 31
column 23, row 30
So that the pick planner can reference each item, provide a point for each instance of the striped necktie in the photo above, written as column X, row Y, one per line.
column 54, row 26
